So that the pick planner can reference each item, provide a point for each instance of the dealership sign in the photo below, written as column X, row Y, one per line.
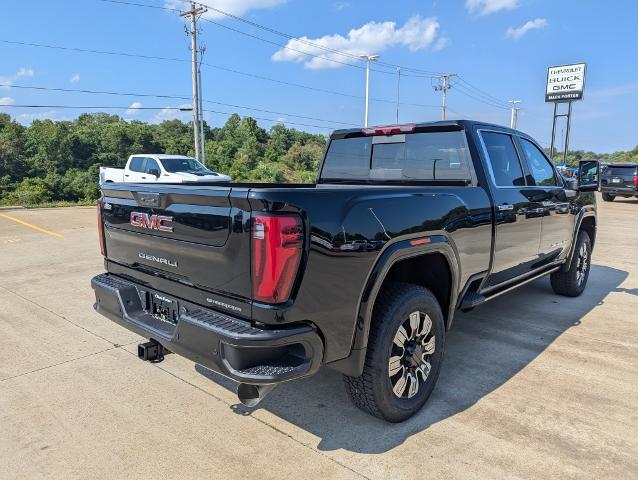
column 565, row 83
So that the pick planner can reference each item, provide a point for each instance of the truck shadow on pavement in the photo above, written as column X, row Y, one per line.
column 484, row 349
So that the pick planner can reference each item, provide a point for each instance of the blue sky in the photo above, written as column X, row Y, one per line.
column 500, row 47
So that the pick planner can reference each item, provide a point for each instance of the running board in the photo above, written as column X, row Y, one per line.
column 524, row 282
column 471, row 300
column 474, row 299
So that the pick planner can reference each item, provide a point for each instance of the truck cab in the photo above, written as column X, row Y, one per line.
column 161, row 168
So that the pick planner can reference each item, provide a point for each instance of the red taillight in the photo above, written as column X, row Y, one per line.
column 277, row 241
column 390, row 129
column 635, row 180
column 100, row 228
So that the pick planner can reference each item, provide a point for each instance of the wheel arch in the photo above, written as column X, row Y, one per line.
column 587, row 222
column 393, row 264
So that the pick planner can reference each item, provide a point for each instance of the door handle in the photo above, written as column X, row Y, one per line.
column 505, row 207
column 143, row 178
column 126, row 175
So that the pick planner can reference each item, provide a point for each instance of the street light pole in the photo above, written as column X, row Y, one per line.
column 398, row 92
column 369, row 59
column 514, row 115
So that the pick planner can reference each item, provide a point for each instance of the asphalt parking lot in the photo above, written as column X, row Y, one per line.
column 533, row 385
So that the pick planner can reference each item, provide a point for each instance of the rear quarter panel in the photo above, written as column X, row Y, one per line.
column 350, row 227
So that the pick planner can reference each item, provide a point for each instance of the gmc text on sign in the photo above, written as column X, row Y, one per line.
column 565, row 83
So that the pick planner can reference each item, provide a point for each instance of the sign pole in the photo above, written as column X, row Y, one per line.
column 569, row 122
column 551, row 149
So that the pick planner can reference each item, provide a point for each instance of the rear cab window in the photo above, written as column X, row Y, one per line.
column 619, row 170
column 426, row 156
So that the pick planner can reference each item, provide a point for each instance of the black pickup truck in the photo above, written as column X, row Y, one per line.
column 362, row 271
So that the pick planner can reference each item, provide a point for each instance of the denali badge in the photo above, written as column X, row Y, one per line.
column 153, row 258
column 151, row 222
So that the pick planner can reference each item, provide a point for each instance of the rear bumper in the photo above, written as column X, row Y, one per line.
column 610, row 189
column 229, row 346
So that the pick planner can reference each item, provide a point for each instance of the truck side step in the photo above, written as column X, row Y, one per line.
column 471, row 300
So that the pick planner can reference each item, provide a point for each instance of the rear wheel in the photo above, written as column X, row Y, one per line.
column 608, row 197
column 572, row 283
column 404, row 354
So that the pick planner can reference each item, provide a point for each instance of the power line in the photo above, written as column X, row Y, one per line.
column 420, row 72
column 112, row 107
column 173, row 97
column 250, row 35
column 468, row 93
column 210, row 65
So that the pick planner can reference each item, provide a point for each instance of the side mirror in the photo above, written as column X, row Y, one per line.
column 588, row 176
column 571, row 183
column 155, row 172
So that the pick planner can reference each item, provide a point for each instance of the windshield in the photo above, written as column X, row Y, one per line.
column 429, row 156
column 188, row 165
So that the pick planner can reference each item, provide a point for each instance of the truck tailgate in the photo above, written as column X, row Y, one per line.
column 196, row 236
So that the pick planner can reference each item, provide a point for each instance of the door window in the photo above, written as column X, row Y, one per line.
column 151, row 164
column 539, row 166
column 504, row 162
column 137, row 164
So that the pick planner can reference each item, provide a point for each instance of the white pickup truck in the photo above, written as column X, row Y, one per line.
column 152, row 168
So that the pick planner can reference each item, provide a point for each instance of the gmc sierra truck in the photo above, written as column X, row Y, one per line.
column 361, row 272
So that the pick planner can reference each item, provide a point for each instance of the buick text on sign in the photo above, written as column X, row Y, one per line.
column 565, row 83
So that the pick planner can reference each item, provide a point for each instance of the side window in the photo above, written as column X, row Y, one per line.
column 151, row 164
column 503, row 159
column 539, row 166
column 137, row 164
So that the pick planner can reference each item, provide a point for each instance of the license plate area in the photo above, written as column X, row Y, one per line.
column 162, row 307
column 615, row 180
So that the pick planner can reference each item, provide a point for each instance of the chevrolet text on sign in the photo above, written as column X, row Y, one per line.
column 565, row 83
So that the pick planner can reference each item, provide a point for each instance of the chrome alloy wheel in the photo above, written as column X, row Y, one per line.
column 583, row 263
column 412, row 347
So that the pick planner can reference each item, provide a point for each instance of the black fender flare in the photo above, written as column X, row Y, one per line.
column 415, row 246
column 585, row 212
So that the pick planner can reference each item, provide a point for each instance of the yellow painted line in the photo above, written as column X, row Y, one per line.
column 33, row 227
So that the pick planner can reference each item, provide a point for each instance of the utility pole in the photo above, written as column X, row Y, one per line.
column 443, row 85
column 514, row 116
column 201, row 117
column 398, row 91
column 369, row 59
column 194, row 13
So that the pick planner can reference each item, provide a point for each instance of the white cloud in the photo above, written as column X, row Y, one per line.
column 372, row 38
column 26, row 118
column 440, row 44
column 6, row 101
column 8, row 81
column 487, row 7
column 75, row 78
column 234, row 7
column 170, row 113
column 133, row 109
column 24, row 72
column 338, row 6
column 516, row 33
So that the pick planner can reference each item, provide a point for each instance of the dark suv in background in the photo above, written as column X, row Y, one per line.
column 619, row 180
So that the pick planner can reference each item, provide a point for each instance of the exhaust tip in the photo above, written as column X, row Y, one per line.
column 252, row 395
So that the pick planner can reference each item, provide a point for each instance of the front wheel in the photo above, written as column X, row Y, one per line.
column 572, row 283
column 608, row 197
column 405, row 350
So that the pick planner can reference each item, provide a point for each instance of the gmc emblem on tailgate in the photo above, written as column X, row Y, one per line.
column 151, row 222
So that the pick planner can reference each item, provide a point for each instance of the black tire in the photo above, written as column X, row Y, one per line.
column 608, row 197
column 572, row 283
column 373, row 390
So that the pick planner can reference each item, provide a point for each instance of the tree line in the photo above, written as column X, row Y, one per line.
column 58, row 161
